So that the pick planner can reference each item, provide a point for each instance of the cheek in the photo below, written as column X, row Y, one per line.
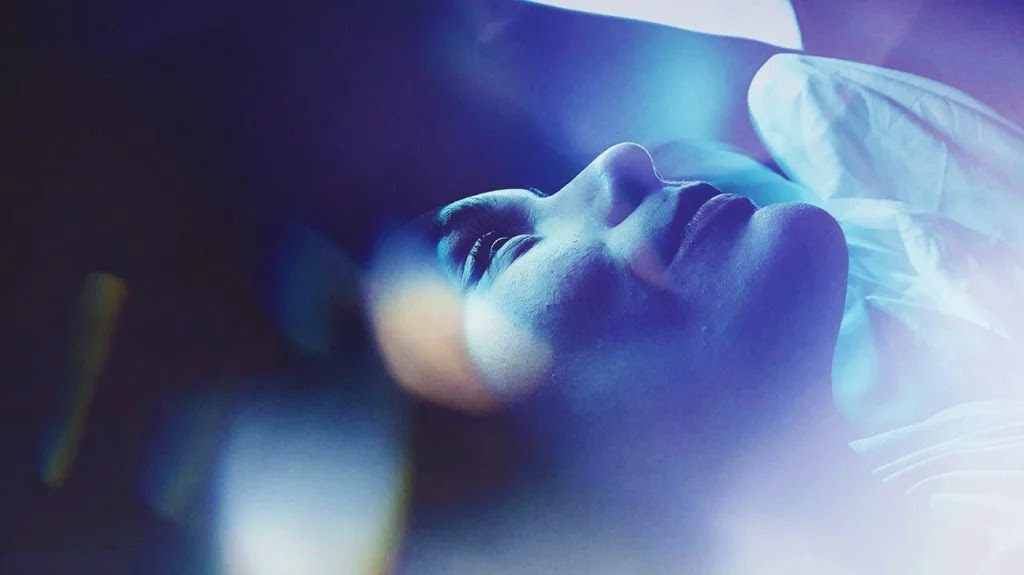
column 551, row 303
column 565, row 291
column 509, row 355
column 573, row 313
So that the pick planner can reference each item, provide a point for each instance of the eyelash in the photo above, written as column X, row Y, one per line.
column 485, row 232
column 480, row 230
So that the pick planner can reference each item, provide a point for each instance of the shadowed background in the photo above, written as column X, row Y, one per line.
column 190, row 191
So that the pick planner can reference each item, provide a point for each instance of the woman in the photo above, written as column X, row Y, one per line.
column 667, row 345
column 669, row 348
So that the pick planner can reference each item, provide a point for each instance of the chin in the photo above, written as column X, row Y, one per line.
column 807, row 238
column 820, row 235
column 804, row 284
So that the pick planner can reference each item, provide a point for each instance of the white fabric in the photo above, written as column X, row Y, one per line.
column 965, row 467
column 769, row 21
column 928, row 186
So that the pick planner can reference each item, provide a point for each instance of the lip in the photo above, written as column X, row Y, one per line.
column 692, row 199
column 707, row 213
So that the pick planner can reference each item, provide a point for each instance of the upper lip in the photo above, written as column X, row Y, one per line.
column 690, row 198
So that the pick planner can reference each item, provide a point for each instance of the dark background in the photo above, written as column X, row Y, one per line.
column 179, row 145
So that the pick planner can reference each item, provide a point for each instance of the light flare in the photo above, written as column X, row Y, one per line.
column 769, row 21
column 419, row 323
column 100, row 304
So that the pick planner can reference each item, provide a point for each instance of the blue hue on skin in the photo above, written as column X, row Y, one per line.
column 687, row 338
column 651, row 341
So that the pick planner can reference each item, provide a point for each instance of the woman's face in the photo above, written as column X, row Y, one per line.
column 622, row 289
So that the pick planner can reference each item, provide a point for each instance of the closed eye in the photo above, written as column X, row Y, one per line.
column 472, row 232
column 502, row 253
column 480, row 256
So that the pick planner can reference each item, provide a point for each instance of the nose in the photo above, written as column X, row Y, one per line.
column 629, row 163
column 625, row 176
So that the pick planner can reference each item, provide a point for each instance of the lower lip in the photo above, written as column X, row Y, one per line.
column 717, row 208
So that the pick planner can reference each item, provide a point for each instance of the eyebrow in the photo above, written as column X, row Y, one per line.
column 455, row 215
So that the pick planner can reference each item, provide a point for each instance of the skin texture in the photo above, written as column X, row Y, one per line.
column 668, row 360
column 609, row 311
column 621, row 311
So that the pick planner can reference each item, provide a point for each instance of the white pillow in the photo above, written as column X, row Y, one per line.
column 928, row 185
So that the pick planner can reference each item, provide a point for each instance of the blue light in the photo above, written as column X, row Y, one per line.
column 769, row 21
